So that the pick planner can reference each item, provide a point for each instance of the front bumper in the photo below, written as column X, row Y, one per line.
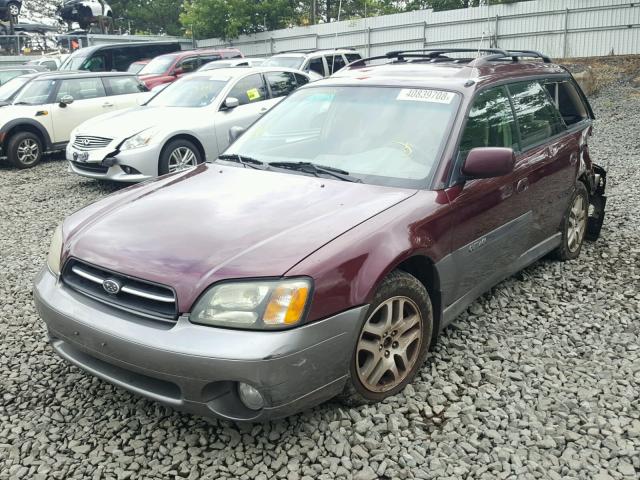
column 195, row 368
column 108, row 163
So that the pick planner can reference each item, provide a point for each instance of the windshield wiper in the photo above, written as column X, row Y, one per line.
column 315, row 169
column 241, row 159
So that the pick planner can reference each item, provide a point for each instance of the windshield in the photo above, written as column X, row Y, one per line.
column 192, row 92
column 135, row 67
column 158, row 65
column 36, row 93
column 383, row 136
column 10, row 88
column 288, row 62
column 73, row 63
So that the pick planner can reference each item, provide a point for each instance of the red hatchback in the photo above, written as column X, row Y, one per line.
column 325, row 250
column 168, row 68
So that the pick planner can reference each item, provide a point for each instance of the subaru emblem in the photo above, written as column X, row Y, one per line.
column 112, row 287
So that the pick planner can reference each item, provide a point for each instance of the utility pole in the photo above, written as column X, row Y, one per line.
column 313, row 12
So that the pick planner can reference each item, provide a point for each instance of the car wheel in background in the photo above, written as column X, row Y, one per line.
column 393, row 341
column 178, row 155
column 24, row 150
column 574, row 225
column 14, row 10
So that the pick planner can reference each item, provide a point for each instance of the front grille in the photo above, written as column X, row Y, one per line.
column 131, row 294
column 86, row 142
column 91, row 167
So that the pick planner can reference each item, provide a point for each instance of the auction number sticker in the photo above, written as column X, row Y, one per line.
column 253, row 94
column 422, row 95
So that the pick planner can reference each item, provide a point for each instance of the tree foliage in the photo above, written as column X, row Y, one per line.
column 148, row 16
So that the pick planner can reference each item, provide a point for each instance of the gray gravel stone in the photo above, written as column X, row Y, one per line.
column 539, row 379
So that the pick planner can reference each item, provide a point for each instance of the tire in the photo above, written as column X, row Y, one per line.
column 24, row 150
column 14, row 10
column 366, row 364
column 574, row 225
column 167, row 162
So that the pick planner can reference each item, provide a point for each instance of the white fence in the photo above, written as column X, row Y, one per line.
column 560, row 28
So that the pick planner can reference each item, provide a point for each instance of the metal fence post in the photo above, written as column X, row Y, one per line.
column 495, row 33
column 566, row 31
column 368, row 41
column 424, row 34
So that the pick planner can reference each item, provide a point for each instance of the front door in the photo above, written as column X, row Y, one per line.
column 493, row 218
column 88, row 99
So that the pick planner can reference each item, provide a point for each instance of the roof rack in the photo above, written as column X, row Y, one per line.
column 437, row 55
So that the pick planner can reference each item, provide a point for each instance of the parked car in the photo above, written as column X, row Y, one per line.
column 50, row 63
column 317, row 63
column 10, row 9
column 117, row 56
column 325, row 250
column 181, row 126
column 168, row 68
column 234, row 62
column 84, row 12
column 136, row 67
column 43, row 113
column 8, row 73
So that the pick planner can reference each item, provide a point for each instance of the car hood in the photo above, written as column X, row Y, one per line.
column 190, row 230
column 123, row 124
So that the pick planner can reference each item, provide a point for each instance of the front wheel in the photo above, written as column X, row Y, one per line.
column 177, row 156
column 393, row 341
column 574, row 225
column 24, row 150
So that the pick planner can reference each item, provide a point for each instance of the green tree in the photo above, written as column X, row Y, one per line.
column 148, row 16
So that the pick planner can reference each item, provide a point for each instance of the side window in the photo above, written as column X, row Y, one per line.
column 50, row 64
column 490, row 123
column 301, row 79
column 538, row 118
column 316, row 65
column 81, row 88
column 97, row 63
column 352, row 57
column 568, row 101
column 208, row 59
column 124, row 85
column 124, row 57
column 250, row 89
column 189, row 64
column 335, row 63
column 281, row 83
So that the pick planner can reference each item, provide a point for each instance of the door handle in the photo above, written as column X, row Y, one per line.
column 523, row 185
column 263, row 111
column 107, row 105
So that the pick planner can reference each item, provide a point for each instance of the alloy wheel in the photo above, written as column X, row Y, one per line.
column 182, row 158
column 577, row 224
column 389, row 345
column 14, row 10
column 28, row 151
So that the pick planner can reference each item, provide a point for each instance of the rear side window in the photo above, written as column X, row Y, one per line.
column 189, row 64
column 538, row 118
column 281, row 83
column 301, row 79
column 568, row 101
column 81, row 89
column 352, row 57
column 97, row 63
column 316, row 65
column 490, row 124
column 208, row 59
column 123, row 85
column 335, row 62
column 250, row 89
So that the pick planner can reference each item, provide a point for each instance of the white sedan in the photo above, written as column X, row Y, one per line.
column 185, row 124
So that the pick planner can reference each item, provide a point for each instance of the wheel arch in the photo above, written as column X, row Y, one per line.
column 188, row 137
column 25, row 125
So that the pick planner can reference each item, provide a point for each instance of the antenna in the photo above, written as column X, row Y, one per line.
column 469, row 81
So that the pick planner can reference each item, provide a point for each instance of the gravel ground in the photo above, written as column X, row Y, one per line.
column 540, row 379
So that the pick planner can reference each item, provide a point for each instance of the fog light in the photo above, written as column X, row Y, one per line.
column 250, row 396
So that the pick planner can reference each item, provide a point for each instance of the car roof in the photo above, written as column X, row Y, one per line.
column 200, row 51
column 445, row 75
column 306, row 53
column 67, row 74
column 237, row 72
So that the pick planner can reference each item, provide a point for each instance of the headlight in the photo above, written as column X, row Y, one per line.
column 55, row 251
column 139, row 140
column 254, row 305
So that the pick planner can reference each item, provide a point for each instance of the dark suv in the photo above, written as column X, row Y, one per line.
column 10, row 9
column 325, row 250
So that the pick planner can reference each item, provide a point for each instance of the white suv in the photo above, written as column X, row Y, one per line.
column 317, row 63
column 42, row 115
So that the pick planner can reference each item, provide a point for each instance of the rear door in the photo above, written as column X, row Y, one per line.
column 549, row 158
column 89, row 100
column 123, row 92
column 491, row 219
column 252, row 94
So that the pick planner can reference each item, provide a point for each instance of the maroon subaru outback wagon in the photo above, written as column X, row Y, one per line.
column 324, row 251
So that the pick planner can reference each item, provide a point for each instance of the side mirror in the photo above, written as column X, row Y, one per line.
column 230, row 103
column 178, row 71
column 66, row 100
column 489, row 162
column 235, row 133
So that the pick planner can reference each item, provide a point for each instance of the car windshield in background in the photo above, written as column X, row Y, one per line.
column 217, row 64
column 10, row 88
column 158, row 65
column 135, row 67
column 189, row 92
column 287, row 62
column 383, row 136
column 73, row 63
column 36, row 93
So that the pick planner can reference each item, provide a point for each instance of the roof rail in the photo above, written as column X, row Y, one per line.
column 436, row 55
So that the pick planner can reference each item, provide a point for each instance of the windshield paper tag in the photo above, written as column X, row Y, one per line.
column 421, row 95
column 253, row 94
